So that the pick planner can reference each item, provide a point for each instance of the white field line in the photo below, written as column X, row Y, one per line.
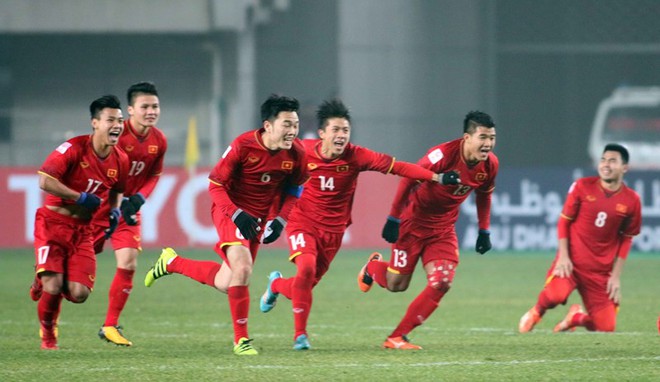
column 335, row 366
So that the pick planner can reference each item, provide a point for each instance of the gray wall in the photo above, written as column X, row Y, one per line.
column 409, row 69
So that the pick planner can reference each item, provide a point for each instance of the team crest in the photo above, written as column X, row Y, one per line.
column 481, row 176
column 112, row 173
column 591, row 198
column 129, row 148
column 84, row 164
column 342, row 168
column 253, row 159
column 312, row 166
column 152, row 149
column 621, row 208
column 287, row 165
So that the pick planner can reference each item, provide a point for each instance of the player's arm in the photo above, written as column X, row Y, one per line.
column 563, row 263
column 114, row 199
column 55, row 187
column 483, row 201
column 614, row 282
column 292, row 192
column 412, row 171
column 275, row 226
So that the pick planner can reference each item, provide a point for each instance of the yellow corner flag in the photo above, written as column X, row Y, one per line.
column 192, row 146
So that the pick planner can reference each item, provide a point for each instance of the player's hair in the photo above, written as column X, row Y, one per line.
column 275, row 104
column 625, row 156
column 144, row 87
column 474, row 119
column 107, row 101
column 333, row 108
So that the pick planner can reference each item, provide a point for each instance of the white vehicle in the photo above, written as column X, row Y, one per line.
column 631, row 117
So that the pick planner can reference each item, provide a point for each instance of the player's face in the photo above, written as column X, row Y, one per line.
column 108, row 127
column 478, row 144
column 335, row 136
column 145, row 110
column 282, row 131
column 611, row 167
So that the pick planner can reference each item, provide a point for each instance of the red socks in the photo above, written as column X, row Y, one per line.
column 239, row 304
column 554, row 293
column 377, row 270
column 418, row 310
column 201, row 271
column 48, row 311
column 118, row 294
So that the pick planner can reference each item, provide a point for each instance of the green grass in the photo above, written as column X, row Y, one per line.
column 181, row 330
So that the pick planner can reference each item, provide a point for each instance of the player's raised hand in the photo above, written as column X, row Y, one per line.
column 115, row 213
column 246, row 223
column 273, row 230
column 449, row 177
column 483, row 242
column 391, row 230
column 89, row 201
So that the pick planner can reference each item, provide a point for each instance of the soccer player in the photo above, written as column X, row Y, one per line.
column 78, row 176
column 422, row 218
column 323, row 213
column 260, row 169
column 145, row 146
column 595, row 230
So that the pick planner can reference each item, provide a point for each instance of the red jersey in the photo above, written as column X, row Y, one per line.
column 328, row 196
column 432, row 206
column 145, row 155
column 254, row 177
column 599, row 220
column 75, row 164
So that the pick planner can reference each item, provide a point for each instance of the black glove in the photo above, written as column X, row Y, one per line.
column 450, row 177
column 246, row 223
column 273, row 230
column 115, row 213
column 391, row 230
column 130, row 207
column 89, row 201
column 483, row 241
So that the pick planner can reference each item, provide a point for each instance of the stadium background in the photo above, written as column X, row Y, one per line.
column 409, row 70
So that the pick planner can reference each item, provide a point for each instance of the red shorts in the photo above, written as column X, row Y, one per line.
column 592, row 287
column 64, row 245
column 412, row 246
column 125, row 236
column 229, row 234
column 319, row 243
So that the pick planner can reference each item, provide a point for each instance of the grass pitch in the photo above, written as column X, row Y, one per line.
column 181, row 330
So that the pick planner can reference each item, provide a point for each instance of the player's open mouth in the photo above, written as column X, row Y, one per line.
column 114, row 135
column 339, row 143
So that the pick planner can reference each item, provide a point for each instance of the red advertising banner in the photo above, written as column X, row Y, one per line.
column 177, row 213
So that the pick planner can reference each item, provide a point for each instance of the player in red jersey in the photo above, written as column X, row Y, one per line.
column 260, row 168
column 78, row 176
column 323, row 213
column 425, row 215
column 145, row 146
column 595, row 230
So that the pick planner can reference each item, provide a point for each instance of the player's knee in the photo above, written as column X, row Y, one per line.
column 397, row 284
column 442, row 275
column 306, row 271
column 78, row 295
column 604, row 320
